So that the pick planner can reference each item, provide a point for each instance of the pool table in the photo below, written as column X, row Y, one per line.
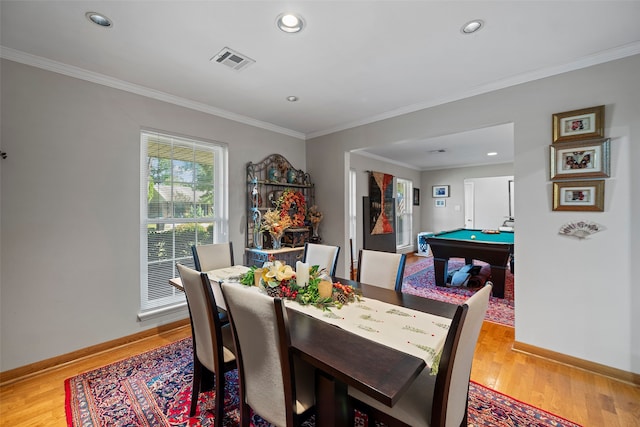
column 494, row 249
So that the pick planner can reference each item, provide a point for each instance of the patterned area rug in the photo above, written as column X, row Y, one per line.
column 154, row 388
column 419, row 279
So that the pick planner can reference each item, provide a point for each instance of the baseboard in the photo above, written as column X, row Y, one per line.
column 596, row 368
column 47, row 364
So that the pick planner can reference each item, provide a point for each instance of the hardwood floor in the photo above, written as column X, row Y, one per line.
column 580, row 396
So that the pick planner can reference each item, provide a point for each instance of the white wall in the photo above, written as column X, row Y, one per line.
column 70, row 211
column 572, row 296
column 449, row 217
column 490, row 200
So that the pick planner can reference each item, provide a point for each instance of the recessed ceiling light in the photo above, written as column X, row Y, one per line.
column 290, row 23
column 493, row 153
column 99, row 19
column 472, row 26
column 292, row 98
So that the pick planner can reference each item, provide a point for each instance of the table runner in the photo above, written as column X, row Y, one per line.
column 414, row 332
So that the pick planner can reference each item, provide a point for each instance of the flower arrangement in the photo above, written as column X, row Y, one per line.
column 292, row 204
column 315, row 216
column 279, row 280
column 274, row 223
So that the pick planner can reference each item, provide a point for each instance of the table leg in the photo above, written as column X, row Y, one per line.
column 331, row 401
column 498, row 275
column 440, row 270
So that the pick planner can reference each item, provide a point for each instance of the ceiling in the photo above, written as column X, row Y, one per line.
column 355, row 62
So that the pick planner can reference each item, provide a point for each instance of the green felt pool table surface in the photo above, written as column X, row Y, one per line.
column 465, row 234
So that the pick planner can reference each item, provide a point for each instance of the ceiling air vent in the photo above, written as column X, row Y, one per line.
column 232, row 59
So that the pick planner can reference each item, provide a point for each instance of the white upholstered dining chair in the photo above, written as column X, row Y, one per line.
column 212, row 256
column 276, row 385
column 437, row 400
column 213, row 349
column 383, row 269
column 324, row 256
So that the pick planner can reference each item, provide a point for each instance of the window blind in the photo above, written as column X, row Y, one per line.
column 183, row 202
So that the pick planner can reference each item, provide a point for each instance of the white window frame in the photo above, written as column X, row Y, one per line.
column 353, row 207
column 218, row 217
column 404, row 213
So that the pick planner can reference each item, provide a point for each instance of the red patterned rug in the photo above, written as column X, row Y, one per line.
column 154, row 388
column 419, row 279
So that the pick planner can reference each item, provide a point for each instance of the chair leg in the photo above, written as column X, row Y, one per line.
column 245, row 414
column 195, row 390
column 220, row 381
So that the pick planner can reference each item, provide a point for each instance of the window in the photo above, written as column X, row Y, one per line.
column 404, row 212
column 183, row 202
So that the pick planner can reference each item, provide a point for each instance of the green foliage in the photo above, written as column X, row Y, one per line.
column 248, row 279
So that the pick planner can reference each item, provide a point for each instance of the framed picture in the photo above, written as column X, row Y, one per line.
column 580, row 159
column 579, row 195
column 441, row 203
column 416, row 197
column 579, row 124
column 440, row 191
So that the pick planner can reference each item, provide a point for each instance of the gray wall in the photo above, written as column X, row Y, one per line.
column 362, row 164
column 572, row 296
column 72, row 178
column 70, row 214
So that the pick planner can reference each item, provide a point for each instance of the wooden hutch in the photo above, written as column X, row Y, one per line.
column 267, row 180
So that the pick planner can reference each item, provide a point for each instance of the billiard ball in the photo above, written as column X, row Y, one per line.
column 473, row 236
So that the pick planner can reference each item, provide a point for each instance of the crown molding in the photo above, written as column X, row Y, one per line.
column 587, row 61
column 69, row 70
column 101, row 79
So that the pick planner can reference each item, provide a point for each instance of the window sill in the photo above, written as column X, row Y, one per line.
column 155, row 313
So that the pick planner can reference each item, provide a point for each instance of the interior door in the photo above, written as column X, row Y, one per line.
column 468, row 204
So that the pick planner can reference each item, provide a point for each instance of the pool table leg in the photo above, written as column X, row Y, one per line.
column 498, row 275
column 440, row 270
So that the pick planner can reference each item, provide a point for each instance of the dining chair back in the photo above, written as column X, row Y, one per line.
column 212, row 256
column 452, row 381
column 383, row 269
column 277, row 386
column 324, row 256
column 437, row 400
column 213, row 349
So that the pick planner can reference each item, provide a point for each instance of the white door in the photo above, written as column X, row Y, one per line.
column 468, row 204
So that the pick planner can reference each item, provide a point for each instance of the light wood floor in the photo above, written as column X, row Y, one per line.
column 582, row 397
column 587, row 399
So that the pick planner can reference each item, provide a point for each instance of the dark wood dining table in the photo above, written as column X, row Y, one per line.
column 343, row 359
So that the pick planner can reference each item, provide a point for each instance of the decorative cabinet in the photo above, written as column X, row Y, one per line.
column 257, row 257
column 267, row 181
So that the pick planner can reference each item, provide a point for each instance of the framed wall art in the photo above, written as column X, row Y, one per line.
column 440, row 203
column 578, row 195
column 416, row 197
column 580, row 159
column 440, row 191
column 579, row 124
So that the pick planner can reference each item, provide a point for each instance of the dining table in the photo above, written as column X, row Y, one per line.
column 347, row 358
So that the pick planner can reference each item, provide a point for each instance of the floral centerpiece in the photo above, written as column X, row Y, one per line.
column 279, row 280
column 275, row 223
